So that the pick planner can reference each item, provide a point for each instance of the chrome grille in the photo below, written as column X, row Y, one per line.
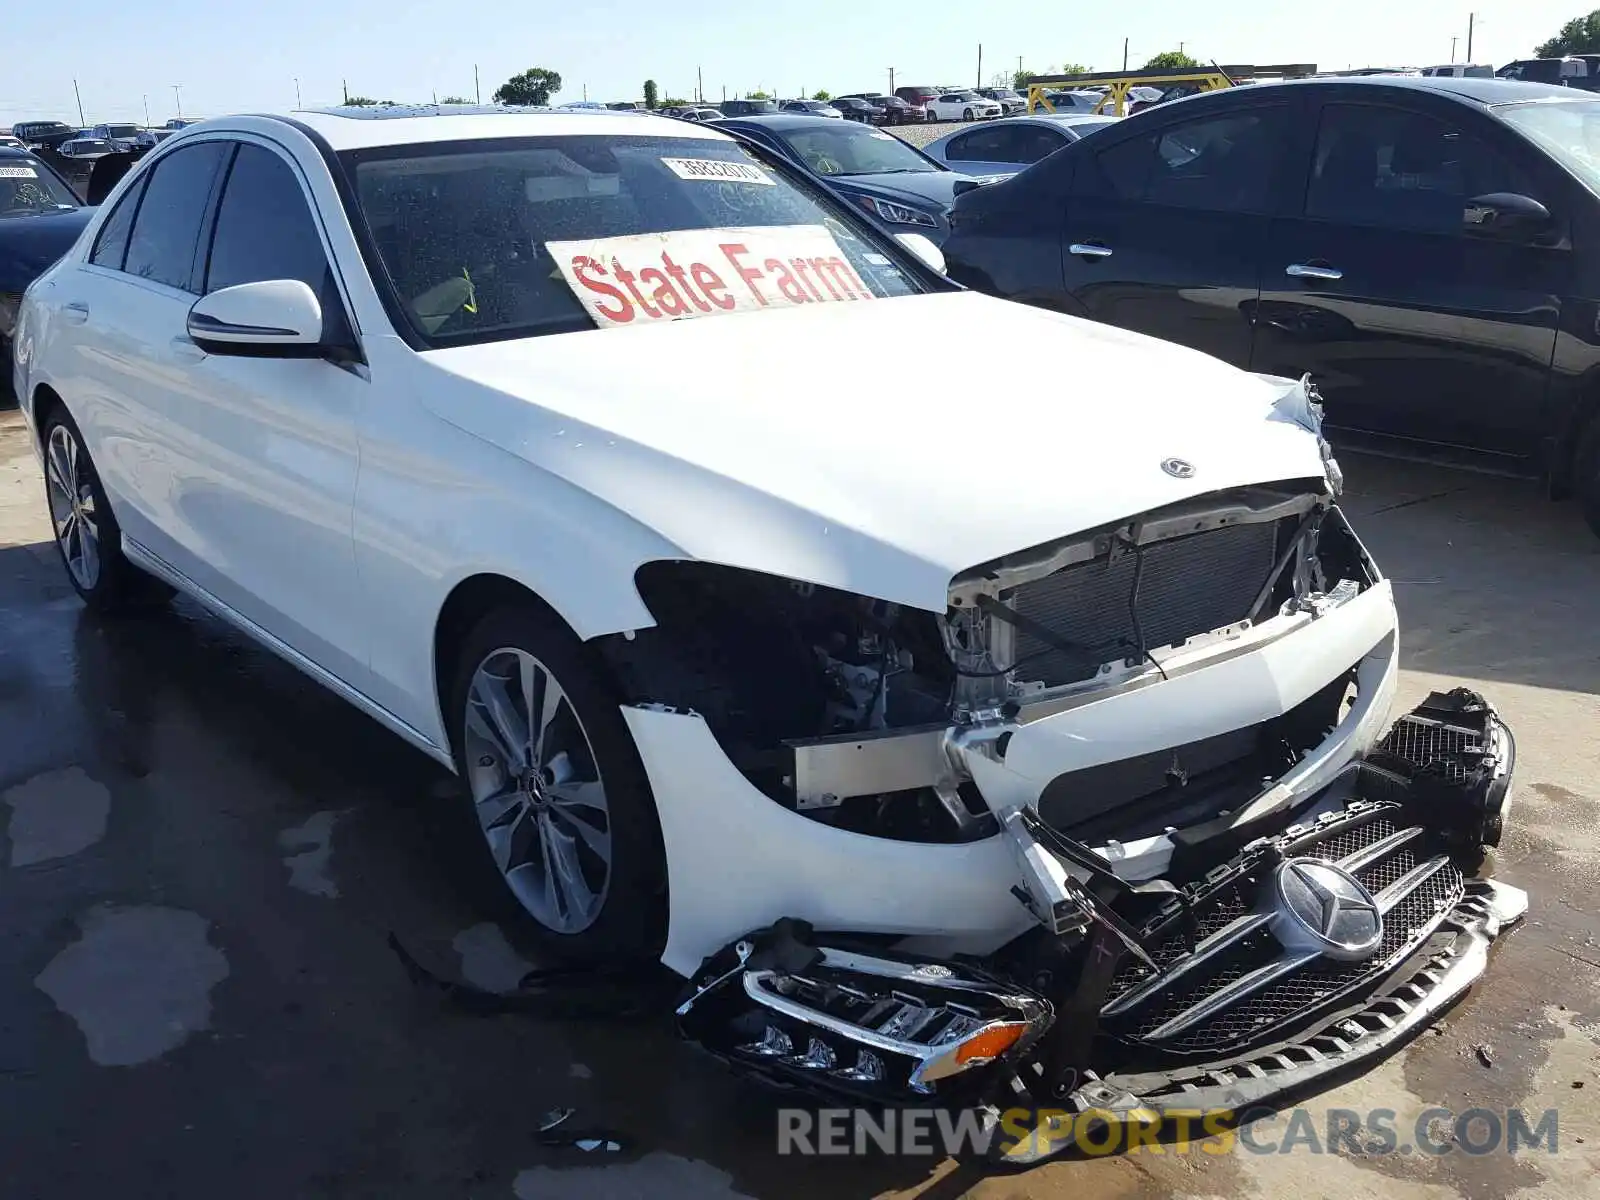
column 1238, row 984
column 1187, row 586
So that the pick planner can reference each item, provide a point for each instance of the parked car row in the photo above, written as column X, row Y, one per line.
column 1427, row 248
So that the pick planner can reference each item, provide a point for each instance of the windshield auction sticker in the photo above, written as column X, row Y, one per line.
column 18, row 173
column 717, row 170
column 644, row 278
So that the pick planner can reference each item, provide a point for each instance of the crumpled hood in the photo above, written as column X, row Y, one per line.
column 881, row 448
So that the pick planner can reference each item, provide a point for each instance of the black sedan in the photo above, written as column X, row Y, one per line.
column 876, row 171
column 40, row 218
column 856, row 109
column 1427, row 248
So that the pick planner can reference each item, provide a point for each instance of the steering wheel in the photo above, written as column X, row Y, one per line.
column 822, row 164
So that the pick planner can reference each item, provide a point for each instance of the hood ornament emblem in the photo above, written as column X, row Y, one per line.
column 1323, row 909
column 1178, row 468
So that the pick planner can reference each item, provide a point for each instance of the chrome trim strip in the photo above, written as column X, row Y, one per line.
column 1410, row 882
column 1382, row 848
column 158, row 566
column 1204, row 952
column 1241, row 987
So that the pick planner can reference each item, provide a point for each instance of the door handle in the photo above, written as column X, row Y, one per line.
column 75, row 313
column 185, row 350
column 1313, row 270
column 1089, row 250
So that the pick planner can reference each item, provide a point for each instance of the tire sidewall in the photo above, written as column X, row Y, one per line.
column 1586, row 475
column 632, row 924
column 118, row 580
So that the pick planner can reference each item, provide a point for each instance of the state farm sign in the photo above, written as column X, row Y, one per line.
column 705, row 272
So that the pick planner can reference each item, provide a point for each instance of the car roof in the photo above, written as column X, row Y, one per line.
column 15, row 152
column 1463, row 87
column 780, row 122
column 356, row 128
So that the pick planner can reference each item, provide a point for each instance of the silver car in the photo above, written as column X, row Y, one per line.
column 1006, row 146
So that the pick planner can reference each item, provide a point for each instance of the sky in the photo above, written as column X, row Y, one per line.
column 129, row 54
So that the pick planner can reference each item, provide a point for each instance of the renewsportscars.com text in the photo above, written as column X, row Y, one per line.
column 1378, row 1131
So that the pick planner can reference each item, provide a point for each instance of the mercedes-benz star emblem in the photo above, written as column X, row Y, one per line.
column 1178, row 468
column 1324, row 908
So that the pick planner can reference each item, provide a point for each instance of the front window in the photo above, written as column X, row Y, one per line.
column 487, row 240
column 120, row 131
column 27, row 187
column 1568, row 132
column 854, row 150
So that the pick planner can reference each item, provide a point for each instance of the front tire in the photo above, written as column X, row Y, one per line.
column 559, row 814
column 1586, row 475
column 966, row 114
column 87, row 535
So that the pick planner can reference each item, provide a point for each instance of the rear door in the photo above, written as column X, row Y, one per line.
column 1412, row 327
column 1164, row 228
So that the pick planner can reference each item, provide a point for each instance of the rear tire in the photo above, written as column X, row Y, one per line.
column 87, row 535
column 966, row 114
column 558, row 833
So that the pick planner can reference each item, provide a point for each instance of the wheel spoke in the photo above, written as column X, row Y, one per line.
column 492, row 716
column 544, row 696
column 582, row 808
column 570, row 884
column 499, row 808
column 64, row 525
column 499, row 838
column 90, row 546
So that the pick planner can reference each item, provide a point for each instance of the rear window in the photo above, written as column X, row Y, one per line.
column 486, row 240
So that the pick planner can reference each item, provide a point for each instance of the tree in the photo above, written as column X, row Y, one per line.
column 455, row 100
column 651, row 94
column 360, row 101
column 1171, row 60
column 1021, row 79
column 757, row 96
column 1581, row 35
column 822, row 94
column 534, row 86
column 674, row 102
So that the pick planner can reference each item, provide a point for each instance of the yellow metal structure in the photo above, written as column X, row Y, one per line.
column 1118, row 84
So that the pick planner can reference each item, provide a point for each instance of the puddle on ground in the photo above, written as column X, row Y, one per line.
column 55, row 815
column 488, row 961
column 313, row 841
column 137, row 981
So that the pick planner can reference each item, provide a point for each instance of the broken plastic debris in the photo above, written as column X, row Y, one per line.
column 554, row 1117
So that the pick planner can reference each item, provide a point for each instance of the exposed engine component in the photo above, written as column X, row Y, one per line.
column 844, row 706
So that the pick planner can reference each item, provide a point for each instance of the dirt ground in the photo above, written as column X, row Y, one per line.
column 204, row 855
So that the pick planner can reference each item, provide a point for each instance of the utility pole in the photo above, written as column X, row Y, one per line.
column 1453, row 42
column 147, row 112
column 177, row 98
column 699, row 87
column 980, row 66
column 891, row 81
column 297, row 103
column 344, row 86
column 477, row 96
column 1471, row 17
column 1124, row 54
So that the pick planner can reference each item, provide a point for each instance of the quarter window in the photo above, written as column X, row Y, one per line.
column 1219, row 164
column 167, row 228
column 1021, row 144
column 111, row 244
column 1402, row 170
column 264, row 227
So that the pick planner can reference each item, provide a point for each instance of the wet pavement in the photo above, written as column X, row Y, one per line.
column 204, row 855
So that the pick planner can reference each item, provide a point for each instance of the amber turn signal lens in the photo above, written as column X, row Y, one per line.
column 991, row 1043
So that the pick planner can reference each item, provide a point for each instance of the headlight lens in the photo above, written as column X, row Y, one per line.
column 897, row 214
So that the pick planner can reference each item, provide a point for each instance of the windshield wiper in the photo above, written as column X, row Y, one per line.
column 895, row 171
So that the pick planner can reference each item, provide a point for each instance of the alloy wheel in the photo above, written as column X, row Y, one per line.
column 69, row 484
column 537, row 790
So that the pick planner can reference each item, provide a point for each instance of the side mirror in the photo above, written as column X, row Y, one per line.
column 925, row 250
column 1507, row 216
column 276, row 318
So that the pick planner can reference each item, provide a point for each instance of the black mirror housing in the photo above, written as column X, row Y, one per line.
column 1506, row 216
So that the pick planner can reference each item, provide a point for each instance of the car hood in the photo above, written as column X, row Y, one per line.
column 939, row 187
column 816, row 443
column 29, row 244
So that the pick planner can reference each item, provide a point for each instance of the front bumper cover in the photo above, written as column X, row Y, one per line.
column 1213, row 1007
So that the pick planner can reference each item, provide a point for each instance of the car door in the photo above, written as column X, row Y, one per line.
column 1001, row 149
column 125, row 348
column 1412, row 326
column 1164, row 226
column 265, row 473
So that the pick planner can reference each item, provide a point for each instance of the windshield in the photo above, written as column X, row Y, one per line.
column 121, row 131
column 27, row 187
column 488, row 240
column 841, row 149
column 1569, row 132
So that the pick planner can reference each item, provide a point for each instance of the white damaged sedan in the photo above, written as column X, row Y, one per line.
column 953, row 741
